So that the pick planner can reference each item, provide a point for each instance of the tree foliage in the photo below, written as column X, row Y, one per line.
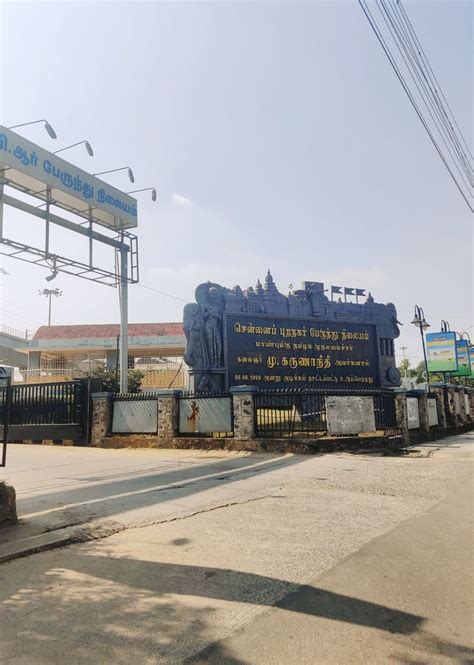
column 419, row 373
column 111, row 379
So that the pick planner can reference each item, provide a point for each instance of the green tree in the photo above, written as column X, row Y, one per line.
column 111, row 379
column 418, row 373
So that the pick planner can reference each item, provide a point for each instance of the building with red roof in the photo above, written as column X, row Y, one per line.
column 63, row 352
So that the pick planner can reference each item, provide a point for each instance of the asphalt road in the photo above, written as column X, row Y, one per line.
column 239, row 558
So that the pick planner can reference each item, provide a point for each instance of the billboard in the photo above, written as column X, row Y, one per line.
column 464, row 364
column 31, row 169
column 441, row 352
column 300, row 353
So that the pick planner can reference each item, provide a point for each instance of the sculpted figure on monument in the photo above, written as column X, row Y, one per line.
column 196, row 349
column 212, row 315
column 394, row 316
column 203, row 328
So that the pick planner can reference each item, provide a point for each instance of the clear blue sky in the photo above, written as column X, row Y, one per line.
column 276, row 134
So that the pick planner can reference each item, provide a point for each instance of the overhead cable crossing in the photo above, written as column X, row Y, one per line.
column 394, row 30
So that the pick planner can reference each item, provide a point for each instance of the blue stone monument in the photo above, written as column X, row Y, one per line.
column 261, row 337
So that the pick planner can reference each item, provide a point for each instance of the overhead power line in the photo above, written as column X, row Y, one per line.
column 403, row 49
column 162, row 293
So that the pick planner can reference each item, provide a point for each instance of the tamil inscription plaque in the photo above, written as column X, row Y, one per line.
column 273, row 352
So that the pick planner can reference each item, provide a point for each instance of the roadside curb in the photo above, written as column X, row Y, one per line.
column 51, row 540
column 39, row 543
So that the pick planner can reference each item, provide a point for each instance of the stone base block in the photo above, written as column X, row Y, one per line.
column 8, row 514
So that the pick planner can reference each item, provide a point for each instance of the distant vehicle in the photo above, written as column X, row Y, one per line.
column 10, row 372
column 6, row 371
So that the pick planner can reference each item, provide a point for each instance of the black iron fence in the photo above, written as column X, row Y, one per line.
column 56, row 411
column 385, row 413
column 43, row 403
column 282, row 414
column 303, row 413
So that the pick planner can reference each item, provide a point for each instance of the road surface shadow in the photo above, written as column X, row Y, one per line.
column 57, row 509
column 98, row 605
column 103, row 607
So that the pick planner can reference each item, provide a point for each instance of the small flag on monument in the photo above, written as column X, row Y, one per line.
column 335, row 289
column 348, row 292
column 359, row 292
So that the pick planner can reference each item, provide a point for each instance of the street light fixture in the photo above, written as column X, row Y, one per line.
column 54, row 274
column 146, row 189
column 131, row 177
column 420, row 322
column 445, row 327
column 86, row 143
column 47, row 126
column 48, row 293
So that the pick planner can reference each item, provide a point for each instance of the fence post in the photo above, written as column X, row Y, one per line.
column 423, row 412
column 168, row 413
column 244, row 411
column 462, row 405
column 453, row 418
column 101, row 417
column 470, row 393
column 438, row 392
column 402, row 413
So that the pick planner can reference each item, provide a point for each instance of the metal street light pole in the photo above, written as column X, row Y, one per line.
column 403, row 349
column 445, row 327
column 123, row 342
column 465, row 335
column 49, row 293
column 420, row 322
column 122, row 339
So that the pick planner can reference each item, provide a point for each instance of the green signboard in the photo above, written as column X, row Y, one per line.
column 441, row 352
column 464, row 365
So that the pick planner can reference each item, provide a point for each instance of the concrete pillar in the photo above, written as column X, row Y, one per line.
column 34, row 359
column 438, row 392
column 243, row 398
column 423, row 412
column 402, row 413
column 463, row 414
column 471, row 403
column 168, row 413
column 451, row 412
column 102, row 405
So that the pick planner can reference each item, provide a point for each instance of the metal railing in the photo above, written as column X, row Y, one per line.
column 14, row 332
column 284, row 414
column 385, row 413
column 293, row 413
column 42, row 404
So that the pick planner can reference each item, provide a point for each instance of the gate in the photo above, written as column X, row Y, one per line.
column 385, row 413
column 40, row 411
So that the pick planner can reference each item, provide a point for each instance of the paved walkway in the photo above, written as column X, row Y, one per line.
column 245, row 559
column 406, row 597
